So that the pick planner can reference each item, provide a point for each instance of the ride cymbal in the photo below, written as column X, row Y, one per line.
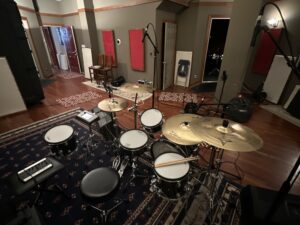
column 112, row 104
column 177, row 129
column 226, row 134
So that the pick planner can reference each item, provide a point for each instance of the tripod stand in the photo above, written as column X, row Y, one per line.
column 134, row 109
column 156, row 52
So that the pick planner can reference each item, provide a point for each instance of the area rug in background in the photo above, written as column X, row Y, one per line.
column 177, row 97
column 77, row 99
column 124, row 91
column 278, row 110
column 205, row 87
column 69, row 75
column 23, row 146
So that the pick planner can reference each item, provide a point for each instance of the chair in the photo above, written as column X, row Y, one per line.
column 99, row 186
column 108, row 64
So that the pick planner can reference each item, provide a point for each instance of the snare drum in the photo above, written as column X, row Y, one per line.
column 61, row 139
column 172, row 179
column 133, row 141
column 152, row 120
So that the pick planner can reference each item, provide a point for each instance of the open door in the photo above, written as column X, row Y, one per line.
column 67, row 35
column 170, row 30
column 50, row 46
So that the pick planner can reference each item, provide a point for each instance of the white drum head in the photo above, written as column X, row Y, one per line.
column 151, row 117
column 133, row 139
column 173, row 171
column 58, row 134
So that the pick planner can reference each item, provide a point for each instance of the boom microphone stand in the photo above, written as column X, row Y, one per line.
column 155, row 58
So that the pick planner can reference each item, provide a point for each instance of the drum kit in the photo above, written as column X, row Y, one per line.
column 171, row 164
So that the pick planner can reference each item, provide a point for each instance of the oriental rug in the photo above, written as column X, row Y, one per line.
column 23, row 146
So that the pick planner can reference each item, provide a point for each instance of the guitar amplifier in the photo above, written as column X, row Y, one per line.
column 239, row 109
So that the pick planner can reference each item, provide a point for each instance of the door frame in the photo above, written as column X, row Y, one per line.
column 206, row 43
column 162, row 78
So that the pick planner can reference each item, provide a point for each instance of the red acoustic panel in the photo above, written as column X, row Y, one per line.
column 265, row 52
column 109, row 44
column 136, row 45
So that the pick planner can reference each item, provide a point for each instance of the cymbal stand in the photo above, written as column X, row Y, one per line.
column 134, row 109
column 90, row 144
column 214, row 169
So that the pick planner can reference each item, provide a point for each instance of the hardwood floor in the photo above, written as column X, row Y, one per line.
column 268, row 167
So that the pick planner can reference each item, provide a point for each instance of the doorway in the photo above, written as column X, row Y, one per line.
column 61, row 47
column 168, row 54
column 215, row 42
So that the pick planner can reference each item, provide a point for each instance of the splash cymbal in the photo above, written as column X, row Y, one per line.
column 226, row 134
column 112, row 104
column 177, row 129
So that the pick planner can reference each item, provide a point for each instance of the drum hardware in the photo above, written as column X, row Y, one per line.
column 134, row 109
column 89, row 118
column 133, row 143
column 113, row 105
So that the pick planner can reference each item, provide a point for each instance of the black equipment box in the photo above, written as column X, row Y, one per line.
column 118, row 81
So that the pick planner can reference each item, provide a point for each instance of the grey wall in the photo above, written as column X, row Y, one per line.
column 122, row 20
column 191, row 33
column 290, row 10
column 39, row 46
column 237, row 46
column 161, row 17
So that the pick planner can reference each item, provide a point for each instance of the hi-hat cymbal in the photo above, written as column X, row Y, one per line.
column 177, row 129
column 226, row 134
column 112, row 104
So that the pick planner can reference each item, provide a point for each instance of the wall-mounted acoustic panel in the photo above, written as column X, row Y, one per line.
column 109, row 44
column 137, row 55
column 265, row 52
column 276, row 79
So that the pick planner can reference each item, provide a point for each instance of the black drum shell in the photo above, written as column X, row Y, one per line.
column 171, row 189
column 64, row 147
column 138, row 150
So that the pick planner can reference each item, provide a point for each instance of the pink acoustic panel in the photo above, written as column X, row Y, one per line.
column 109, row 44
column 136, row 46
column 265, row 52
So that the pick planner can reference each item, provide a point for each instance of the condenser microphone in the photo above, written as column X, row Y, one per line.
column 256, row 31
column 145, row 34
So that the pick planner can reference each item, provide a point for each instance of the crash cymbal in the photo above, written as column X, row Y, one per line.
column 226, row 134
column 177, row 129
column 137, row 88
column 112, row 104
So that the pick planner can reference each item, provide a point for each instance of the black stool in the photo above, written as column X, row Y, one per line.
column 100, row 185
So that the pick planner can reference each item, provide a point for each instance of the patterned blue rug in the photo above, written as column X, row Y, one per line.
column 22, row 147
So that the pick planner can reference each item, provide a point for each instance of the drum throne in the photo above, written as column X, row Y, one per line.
column 99, row 186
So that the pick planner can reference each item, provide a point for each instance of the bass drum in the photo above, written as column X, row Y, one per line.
column 171, row 181
column 61, row 139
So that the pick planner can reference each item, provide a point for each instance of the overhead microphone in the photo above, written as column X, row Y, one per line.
column 145, row 33
column 257, row 29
